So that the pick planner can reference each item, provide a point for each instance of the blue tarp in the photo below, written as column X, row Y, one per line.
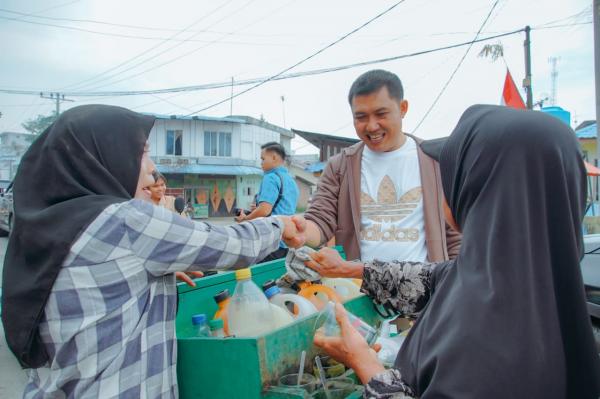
column 588, row 132
column 315, row 167
column 222, row 170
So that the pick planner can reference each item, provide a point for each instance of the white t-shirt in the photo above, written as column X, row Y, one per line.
column 391, row 205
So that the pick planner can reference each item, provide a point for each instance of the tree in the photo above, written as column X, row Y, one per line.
column 493, row 51
column 38, row 124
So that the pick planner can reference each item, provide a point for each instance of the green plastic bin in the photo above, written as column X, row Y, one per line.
column 243, row 367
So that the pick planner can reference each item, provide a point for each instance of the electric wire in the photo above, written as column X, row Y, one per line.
column 170, row 61
column 84, row 83
column 303, row 60
column 435, row 101
column 217, row 85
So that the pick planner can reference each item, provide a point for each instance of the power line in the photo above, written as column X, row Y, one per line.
column 137, row 37
column 217, row 85
column 246, row 82
column 139, row 55
column 190, row 52
column 457, row 68
column 36, row 14
column 303, row 60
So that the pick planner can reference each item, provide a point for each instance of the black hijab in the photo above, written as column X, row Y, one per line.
column 86, row 160
column 508, row 318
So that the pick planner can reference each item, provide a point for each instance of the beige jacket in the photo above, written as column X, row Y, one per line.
column 335, row 207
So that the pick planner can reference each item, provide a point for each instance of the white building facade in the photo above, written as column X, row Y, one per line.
column 214, row 163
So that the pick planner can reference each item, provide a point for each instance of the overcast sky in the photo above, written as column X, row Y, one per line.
column 81, row 45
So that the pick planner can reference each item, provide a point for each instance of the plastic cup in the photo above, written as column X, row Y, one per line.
column 331, row 368
column 326, row 320
column 338, row 388
column 308, row 382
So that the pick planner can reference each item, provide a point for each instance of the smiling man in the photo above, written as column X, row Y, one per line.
column 381, row 198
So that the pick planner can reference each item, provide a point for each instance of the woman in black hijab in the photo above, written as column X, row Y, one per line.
column 89, row 286
column 507, row 318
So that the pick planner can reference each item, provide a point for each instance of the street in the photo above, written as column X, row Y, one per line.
column 12, row 377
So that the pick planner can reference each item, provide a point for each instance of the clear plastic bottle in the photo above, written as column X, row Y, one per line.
column 249, row 312
column 200, row 326
column 216, row 328
column 331, row 327
column 295, row 305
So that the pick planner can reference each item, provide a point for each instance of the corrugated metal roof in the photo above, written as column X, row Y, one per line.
column 220, row 170
column 588, row 132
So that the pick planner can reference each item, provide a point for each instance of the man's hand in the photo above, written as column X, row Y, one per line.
column 350, row 348
column 328, row 263
column 187, row 277
column 294, row 231
column 241, row 217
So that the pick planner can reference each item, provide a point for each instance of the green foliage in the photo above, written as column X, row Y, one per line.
column 38, row 124
column 493, row 51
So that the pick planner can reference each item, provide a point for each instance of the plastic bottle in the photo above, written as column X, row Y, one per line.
column 331, row 327
column 295, row 305
column 343, row 286
column 249, row 312
column 281, row 317
column 216, row 328
column 200, row 326
column 318, row 294
column 222, row 299
column 271, row 283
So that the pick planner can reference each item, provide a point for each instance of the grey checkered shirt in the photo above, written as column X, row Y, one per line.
column 109, row 324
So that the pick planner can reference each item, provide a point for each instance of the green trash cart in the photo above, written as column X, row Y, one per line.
column 244, row 368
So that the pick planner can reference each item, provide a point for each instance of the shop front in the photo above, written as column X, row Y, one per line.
column 212, row 195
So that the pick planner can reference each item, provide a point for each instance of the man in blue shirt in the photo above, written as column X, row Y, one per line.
column 278, row 193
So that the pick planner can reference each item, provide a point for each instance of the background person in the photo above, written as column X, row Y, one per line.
column 159, row 198
column 507, row 318
column 88, row 286
column 278, row 193
column 158, row 192
column 382, row 197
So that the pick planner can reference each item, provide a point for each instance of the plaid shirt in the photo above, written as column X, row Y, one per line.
column 109, row 321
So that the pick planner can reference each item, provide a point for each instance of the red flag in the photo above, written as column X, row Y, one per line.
column 510, row 93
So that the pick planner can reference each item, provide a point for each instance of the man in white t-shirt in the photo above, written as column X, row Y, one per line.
column 381, row 198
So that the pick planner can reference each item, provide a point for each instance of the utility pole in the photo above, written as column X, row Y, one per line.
column 283, row 109
column 231, row 99
column 554, row 75
column 57, row 97
column 527, row 80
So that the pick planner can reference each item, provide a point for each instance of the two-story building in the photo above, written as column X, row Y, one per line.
column 213, row 163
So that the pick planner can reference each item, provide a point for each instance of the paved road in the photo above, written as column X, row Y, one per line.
column 12, row 377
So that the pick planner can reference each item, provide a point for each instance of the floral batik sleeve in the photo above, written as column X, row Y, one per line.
column 404, row 287
column 388, row 385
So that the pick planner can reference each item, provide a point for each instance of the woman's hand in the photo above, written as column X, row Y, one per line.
column 187, row 277
column 294, row 230
column 350, row 348
column 328, row 263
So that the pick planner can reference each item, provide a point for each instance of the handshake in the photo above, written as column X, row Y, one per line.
column 294, row 230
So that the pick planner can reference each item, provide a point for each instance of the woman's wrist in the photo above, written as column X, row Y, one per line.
column 367, row 369
column 354, row 269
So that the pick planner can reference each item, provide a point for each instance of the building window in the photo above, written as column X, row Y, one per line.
column 217, row 144
column 174, row 138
